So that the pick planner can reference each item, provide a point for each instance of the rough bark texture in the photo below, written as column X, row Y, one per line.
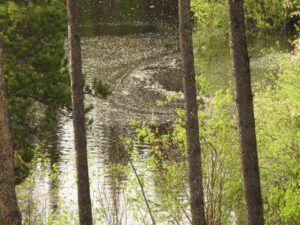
column 84, row 199
column 192, row 124
column 244, row 102
column 8, row 201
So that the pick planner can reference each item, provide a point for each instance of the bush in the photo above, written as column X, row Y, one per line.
column 36, row 72
column 269, row 14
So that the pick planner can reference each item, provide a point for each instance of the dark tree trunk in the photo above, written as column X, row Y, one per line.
column 192, row 124
column 244, row 103
column 84, row 199
column 8, row 201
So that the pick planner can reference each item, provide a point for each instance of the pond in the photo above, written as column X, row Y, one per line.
column 133, row 46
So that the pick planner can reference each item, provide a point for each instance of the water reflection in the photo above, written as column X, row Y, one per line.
column 117, row 156
column 54, row 159
column 119, row 17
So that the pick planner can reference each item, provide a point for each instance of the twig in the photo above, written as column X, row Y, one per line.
column 186, row 215
column 143, row 192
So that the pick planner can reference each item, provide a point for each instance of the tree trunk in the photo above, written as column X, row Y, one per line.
column 8, row 201
column 244, row 103
column 84, row 199
column 192, row 124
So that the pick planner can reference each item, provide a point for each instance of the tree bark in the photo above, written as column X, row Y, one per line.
column 8, row 200
column 192, row 123
column 77, row 82
column 244, row 103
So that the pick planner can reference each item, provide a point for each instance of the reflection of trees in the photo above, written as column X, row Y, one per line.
column 161, row 10
column 53, row 154
column 116, row 158
column 40, row 197
column 119, row 17
column 131, row 10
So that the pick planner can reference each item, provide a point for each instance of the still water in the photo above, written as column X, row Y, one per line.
column 133, row 46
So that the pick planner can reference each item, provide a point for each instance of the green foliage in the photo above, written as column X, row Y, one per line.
column 35, row 70
column 23, row 164
column 269, row 14
column 98, row 89
column 210, row 14
column 278, row 132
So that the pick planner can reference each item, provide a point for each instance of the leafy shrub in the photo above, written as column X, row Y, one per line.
column 36, row 72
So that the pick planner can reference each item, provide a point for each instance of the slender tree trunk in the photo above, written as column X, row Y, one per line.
column 192, row 123
column 8, row 201
column 84, row 199
column 244, row 103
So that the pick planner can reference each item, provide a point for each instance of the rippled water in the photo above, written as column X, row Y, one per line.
column 141, row 63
